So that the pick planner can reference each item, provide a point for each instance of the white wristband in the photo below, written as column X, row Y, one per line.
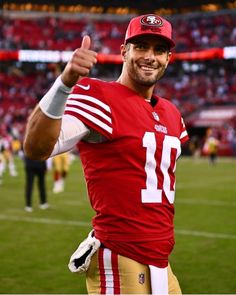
column 54, row 101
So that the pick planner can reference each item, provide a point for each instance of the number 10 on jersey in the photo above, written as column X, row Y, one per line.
column 170, row 152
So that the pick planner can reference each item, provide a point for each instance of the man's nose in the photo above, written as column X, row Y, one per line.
column 150, row 54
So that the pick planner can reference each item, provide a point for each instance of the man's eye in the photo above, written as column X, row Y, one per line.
column 161, row 49
column 140, row 46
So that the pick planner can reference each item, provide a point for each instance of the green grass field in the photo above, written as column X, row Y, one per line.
column 35, row 247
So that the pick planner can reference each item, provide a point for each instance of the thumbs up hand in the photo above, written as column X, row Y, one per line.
column 80, row 64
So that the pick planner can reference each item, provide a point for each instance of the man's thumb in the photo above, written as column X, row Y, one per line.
column 86, row 42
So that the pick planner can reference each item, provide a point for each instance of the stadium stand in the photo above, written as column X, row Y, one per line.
column 192, row 86
column 195, row 32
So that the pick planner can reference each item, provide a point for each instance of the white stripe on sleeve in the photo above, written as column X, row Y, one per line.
column 183, row 134
column 72, row 102
column 90, row 118
column 91, row 99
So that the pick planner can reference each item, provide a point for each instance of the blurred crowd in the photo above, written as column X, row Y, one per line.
column 192, row 32
column 190, row 85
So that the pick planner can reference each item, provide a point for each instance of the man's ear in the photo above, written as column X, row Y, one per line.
column 169, row 55
column 168, row 59
column 123, row 51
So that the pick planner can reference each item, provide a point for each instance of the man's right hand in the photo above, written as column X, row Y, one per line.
column 80, row 64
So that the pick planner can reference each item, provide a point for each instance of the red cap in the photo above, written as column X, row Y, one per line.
column 149, row 24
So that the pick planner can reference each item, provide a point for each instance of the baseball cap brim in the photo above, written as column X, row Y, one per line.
column 170, row 42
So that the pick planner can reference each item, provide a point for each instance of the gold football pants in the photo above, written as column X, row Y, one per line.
column 110, row 273
column 61, row 162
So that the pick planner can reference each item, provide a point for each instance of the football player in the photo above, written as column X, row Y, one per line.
column 129, row 140
column 60, row 167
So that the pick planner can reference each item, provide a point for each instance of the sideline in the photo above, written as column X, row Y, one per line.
column 206, row 202
column 87, row 224
column 205, row 234
column 44, row 220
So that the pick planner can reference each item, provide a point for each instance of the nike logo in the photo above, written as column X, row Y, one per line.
column 85, row 87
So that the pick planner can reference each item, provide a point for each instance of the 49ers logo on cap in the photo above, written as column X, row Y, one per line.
column 152, row 21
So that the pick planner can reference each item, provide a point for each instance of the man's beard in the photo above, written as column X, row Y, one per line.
column 141, row 78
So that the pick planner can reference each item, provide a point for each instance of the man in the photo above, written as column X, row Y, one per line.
column 35, row 169
column 129, row 140
column 7, row 152
column 60, row 168
column 211, row 146
column 2, row 160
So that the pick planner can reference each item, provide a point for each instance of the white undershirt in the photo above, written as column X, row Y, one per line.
column 72, row 131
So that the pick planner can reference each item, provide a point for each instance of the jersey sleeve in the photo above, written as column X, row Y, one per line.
column 184, row 134
column 87, row 103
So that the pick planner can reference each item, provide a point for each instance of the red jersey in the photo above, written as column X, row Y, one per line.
column 130, row 176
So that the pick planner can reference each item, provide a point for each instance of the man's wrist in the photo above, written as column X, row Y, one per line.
column 54, row 101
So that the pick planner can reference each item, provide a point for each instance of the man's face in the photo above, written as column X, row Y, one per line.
column 145, row 59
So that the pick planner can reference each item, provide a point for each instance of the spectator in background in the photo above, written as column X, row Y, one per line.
column 195, row 147
column 60, row 168
column 35, row 169
column 211, row 146
column 7, row 152
column 1, row 160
